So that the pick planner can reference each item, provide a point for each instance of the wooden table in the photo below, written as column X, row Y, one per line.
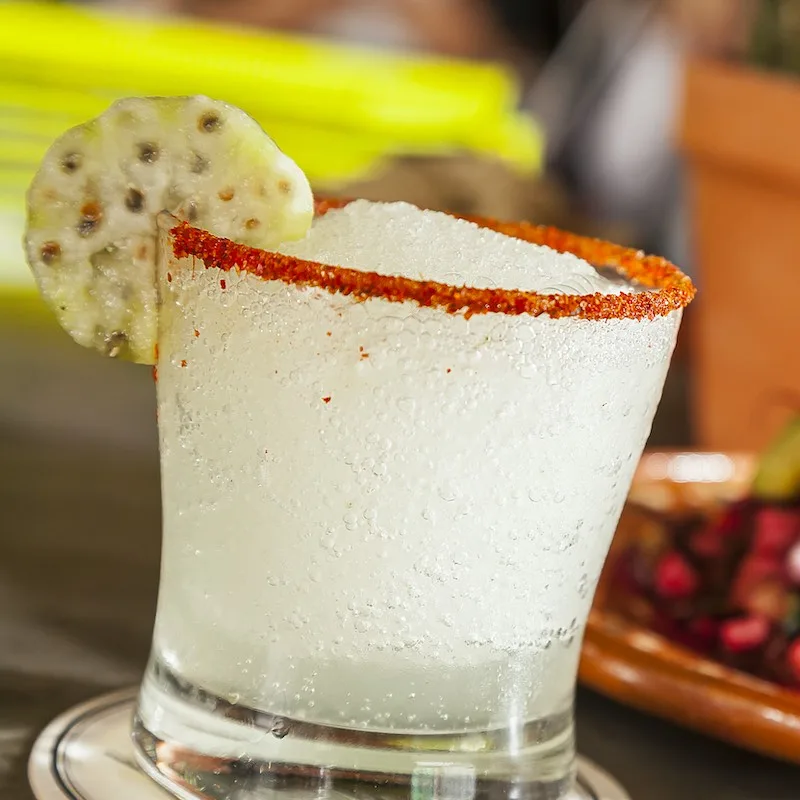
column 79, row 549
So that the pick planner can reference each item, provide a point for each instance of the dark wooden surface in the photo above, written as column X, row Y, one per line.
column 79, row 539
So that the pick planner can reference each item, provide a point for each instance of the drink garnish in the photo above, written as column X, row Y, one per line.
column 92, row 206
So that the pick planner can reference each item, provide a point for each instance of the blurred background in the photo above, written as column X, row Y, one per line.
column 668, row 125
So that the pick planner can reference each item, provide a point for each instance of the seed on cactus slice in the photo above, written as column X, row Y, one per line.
column 92, row 207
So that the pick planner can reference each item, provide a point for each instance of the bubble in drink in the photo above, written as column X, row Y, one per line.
column 474, row 577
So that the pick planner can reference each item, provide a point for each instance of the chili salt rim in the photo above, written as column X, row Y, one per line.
column 673, row 289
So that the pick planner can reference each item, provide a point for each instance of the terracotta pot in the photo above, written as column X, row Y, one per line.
column 740, row 133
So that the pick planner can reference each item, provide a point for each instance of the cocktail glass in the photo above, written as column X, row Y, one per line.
column 386, row 506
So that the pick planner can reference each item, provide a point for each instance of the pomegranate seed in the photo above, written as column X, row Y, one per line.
column 712, row 540
column 793, row 564
column 754, row 569
column 624, row 578
column 704, row 627
column 793, row 659
column 744, row 633
column 733, row 519
column 707, row 543
column 768, row 599
column 777, row 529
column 675, row 578
column 702, row 633
column 666, row 626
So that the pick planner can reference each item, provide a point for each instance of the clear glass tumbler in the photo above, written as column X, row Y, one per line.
column 386, row 506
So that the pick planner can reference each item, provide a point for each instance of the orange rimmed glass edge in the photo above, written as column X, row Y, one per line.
column 671, row 290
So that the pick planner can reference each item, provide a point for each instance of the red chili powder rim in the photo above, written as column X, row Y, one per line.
column 672, row 289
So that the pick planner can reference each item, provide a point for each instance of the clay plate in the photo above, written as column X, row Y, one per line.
column 634, row 666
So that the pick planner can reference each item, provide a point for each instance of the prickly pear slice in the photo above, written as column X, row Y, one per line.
column 92, row 207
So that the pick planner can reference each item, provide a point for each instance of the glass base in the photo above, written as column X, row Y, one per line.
column 198, row 744
column 86, row 753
